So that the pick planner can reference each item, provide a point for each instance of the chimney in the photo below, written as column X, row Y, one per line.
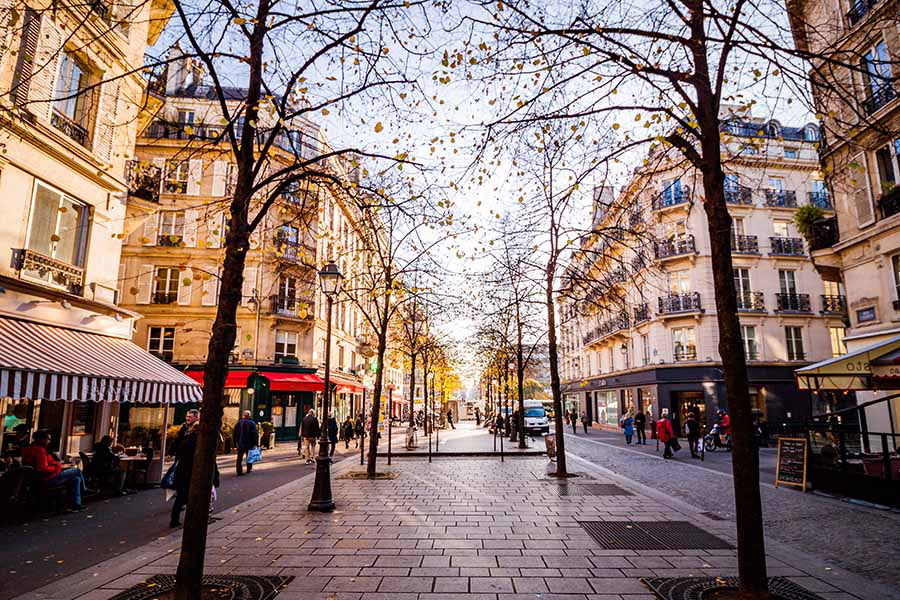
column 177, row 71
column 604, row 196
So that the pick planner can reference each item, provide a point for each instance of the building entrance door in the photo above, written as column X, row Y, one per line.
column 687, row 402
column 285, row 415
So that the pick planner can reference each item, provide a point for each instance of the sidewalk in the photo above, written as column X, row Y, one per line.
column 456, row 529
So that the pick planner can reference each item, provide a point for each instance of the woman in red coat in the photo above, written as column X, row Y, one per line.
column 664, row 432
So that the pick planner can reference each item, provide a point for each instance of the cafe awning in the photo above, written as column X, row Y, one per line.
column 44, row 362
column 234, row 379
column 346, row 386
column 851, row 371
column 293, row 382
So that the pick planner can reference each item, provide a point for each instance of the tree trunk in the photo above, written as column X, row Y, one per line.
column 520, row 380
column 376, row 393
column 412, row 394
column 553, row 356
column 748, row 506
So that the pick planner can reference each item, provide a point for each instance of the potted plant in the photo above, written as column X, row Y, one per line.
column 266, row 429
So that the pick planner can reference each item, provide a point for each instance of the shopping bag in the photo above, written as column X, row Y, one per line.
column 168, row 480
column 254, row 455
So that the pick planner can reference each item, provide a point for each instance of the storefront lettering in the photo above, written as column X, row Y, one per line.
column 858, row 366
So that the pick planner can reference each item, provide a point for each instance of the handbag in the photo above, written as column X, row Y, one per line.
column 168, row 480
column 254, row 455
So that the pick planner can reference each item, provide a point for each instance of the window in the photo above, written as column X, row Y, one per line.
column 286, row 344
column 895, row 267
column 165, row 285
column 838, row 348
column 672, row 193
column 186, row 117
column 352, row 360
column 611, row 358
column 685, row 343
column 794, row 339
column 748, row 336
column 341, row 358
column 675, row 230
column 833, row 288
column 781, row 228
column 787, row 282
column 286, row 301
column 877, row 68
column 741, row 282
column 161, row 342
column 776, row 183
column 645, row 348
column 888, row 163
column 791, row 153
column 737, row 226
column 679, row 282
column 732, row 183
column 171, row 228
column 58, row 228
column 71, row 102
column 177, row 177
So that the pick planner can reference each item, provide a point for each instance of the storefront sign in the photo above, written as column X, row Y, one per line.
column 791, row 462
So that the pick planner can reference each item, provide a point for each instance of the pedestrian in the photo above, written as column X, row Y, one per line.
column 664, row 432
column 189, row 418
column 573, row 419
column 309, row 431
column 332, row 425
column 246, row 437
column 692, row 429
column 477, row 417
column 347, row 432
column 359, row 430
column 628, row 427
column 450, row 419
column 184, row 465
column 498, row 424
column 50, row 469
column 640, row 424
column 585, row 421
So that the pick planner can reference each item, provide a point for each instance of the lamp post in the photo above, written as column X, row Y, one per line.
column 330, row 280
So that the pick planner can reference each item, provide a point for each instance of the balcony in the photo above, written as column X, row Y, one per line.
column 859, row 10
column 679, row 303
column 744, row 244
column 741, row 195
column 171, row 240
column 673, row 197
column 615, row 277
column 143, row 180
column 821, row 199
column 834, row 305
column 290, row 306
column 641, row 313
column 875, row 101
column 675, row 247
column 781, row 198
column 751, row 301
column 638, row 262
column 792, row 303
column 100, row 8
column 685, row 353
column 824, row 234
column 160, row 130
column 786, row 246
column 69, row 127
column 291, row 250
column 889, row 203
column 58, row 272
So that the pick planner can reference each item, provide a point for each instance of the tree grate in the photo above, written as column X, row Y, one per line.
column 234, row 587
column 591, row 489
column 695, row 588
column 652, row 535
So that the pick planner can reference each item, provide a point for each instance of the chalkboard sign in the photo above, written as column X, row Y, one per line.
column 791, row 468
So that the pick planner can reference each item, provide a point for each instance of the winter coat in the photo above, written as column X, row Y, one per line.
column 628, row 426
column 309, row 427
column 664, row 430
column 640, row 420
column 347, row 430
column 246, row 435
column 360, row 428
column 692, row 428
column 332, row 429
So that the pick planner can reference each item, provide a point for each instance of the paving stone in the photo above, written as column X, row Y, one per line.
column 490, row 584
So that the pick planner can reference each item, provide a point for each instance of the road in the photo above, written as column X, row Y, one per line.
column 35, row 553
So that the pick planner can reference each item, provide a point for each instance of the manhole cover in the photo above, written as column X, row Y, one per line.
column 591, row 489
column 693, row 588
column 652, row 535
column 239, row 587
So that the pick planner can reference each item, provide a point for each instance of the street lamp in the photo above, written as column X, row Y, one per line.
column 330, row 280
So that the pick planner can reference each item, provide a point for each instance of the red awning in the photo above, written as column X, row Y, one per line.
column 346, row 386
column 293, row 382
column 234, row 379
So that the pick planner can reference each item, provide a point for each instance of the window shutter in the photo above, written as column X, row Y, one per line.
column 195, row 175
column 210, row 292
column 145, row 284
column 121, row 286
column 160, row 164
column 184, row 291
column 28, row 43
column 862, row 192
column 105, row 128
column 44, row 69
column 215, row 231
column 6, row 20
column 190, row 228
column 249, row 284
column 151, row 230
column 220, row 172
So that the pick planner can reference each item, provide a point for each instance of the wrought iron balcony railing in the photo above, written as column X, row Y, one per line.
column 291, row 306
column 671, row 197
column 69, row 127
column 824, row 234
column 58, row 272
column 878, row 98
column 741, row 195
column 744, row 244
column 675, row 303
column 834, row 304
column 675, row 247
column 641, row 313
column 685, row 353
column 820, row 199
column 786, row 246
column 751, row 301
column 792, row 303
column 858, row 10
column 143, row 180
column 781, row 198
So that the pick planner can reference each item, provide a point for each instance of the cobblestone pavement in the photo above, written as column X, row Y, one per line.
column 842, row 534
column 467, row 437
column 454, row 529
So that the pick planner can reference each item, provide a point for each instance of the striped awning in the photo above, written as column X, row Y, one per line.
column 43, row 362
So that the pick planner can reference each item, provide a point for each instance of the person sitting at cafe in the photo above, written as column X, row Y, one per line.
column 105, row 466
column 51, row 470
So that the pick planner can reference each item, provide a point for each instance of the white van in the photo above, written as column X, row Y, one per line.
column 536, row 420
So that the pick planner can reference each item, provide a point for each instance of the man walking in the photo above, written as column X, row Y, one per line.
column 332, row 425
column 190, row 418
column 692, row 429
column 246, row 437
column 640, row 424
column 573, row 419
column 477, row 417
column 450, row 419
column 585, row 421
column 309, row 431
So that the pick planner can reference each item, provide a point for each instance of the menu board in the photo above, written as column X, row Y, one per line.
column 791, row 467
